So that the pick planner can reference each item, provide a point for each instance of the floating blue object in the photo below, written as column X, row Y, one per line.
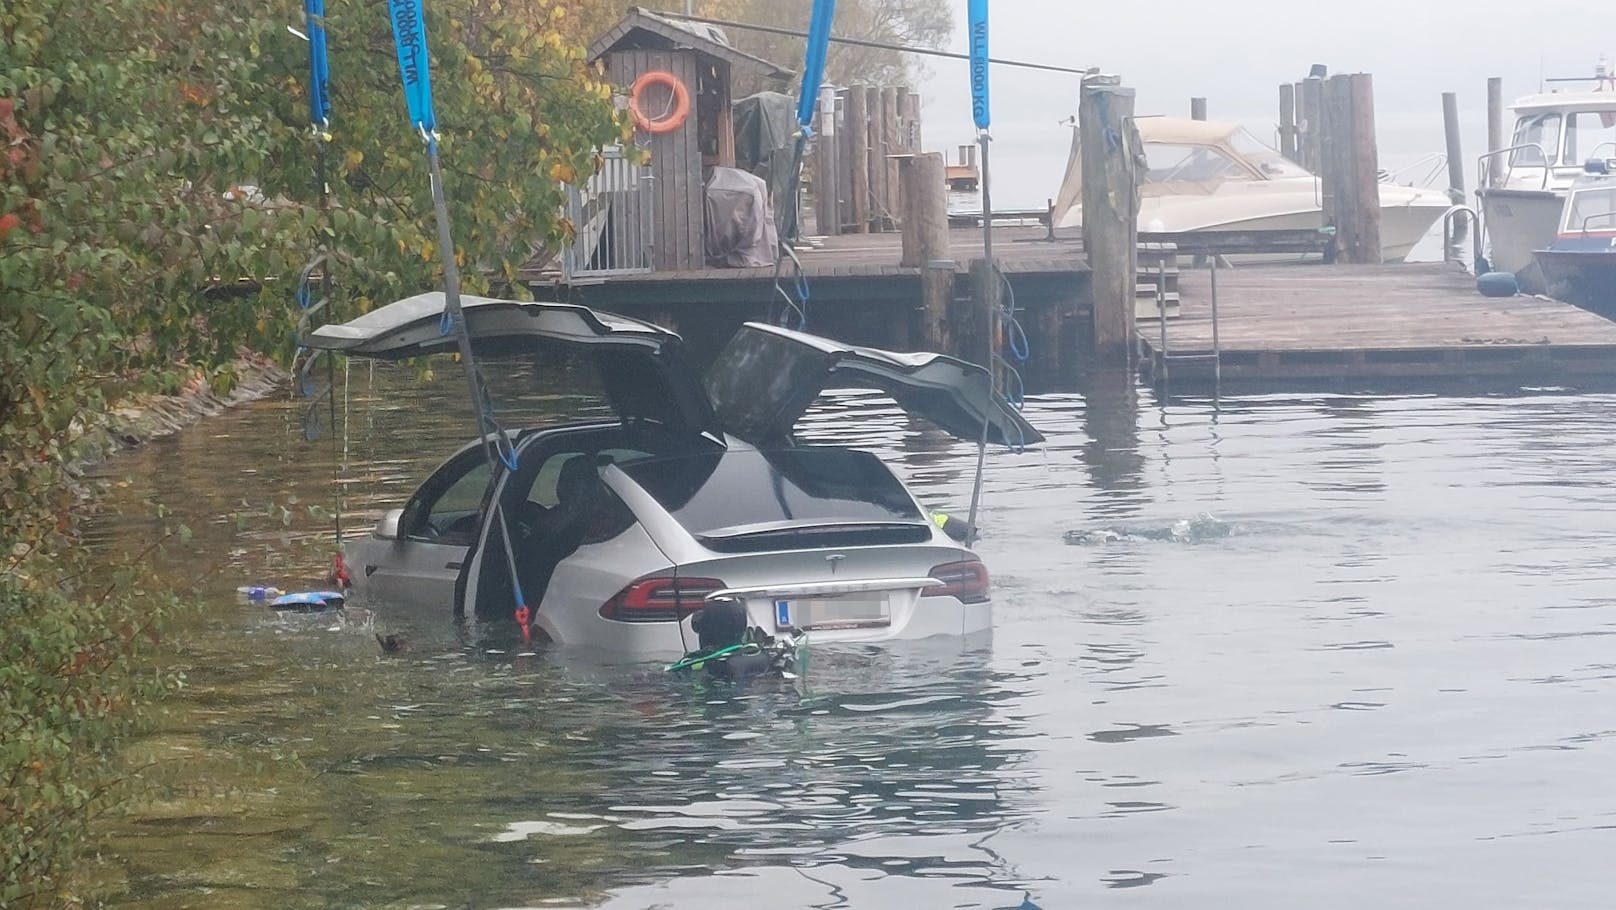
column 309, row 601
column 1498, row 284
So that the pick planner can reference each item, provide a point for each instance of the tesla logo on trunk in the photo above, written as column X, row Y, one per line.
column 835, row 559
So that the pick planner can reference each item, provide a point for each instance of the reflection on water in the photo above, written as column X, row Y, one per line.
column 1347, row 650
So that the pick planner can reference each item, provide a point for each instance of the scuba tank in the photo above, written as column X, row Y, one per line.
column 730, row 649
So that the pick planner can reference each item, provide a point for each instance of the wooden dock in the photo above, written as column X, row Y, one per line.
column 1318, row 324
column 859, row 293
column 842, row 269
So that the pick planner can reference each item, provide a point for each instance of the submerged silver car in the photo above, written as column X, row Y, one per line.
column 616, row 531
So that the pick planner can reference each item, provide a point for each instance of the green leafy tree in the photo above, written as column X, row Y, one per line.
column 915, row 23
column 157, row 201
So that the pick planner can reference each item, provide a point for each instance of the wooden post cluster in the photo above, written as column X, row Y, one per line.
column 1350, row 165
column 871, row 124
column 1109, row 143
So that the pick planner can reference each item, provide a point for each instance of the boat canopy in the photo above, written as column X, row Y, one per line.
column 1183, row 157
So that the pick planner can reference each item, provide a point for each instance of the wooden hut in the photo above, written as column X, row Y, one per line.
column 703, row 61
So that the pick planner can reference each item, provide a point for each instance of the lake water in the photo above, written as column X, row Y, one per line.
column 1347, row 651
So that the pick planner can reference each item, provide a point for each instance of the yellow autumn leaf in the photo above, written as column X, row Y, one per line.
column 562, row 172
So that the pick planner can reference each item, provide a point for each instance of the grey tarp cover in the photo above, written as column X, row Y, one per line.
column 740, row 223
column 764, row 126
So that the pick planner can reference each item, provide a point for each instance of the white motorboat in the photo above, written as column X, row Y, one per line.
column 1206, row 175
column 1523, row 186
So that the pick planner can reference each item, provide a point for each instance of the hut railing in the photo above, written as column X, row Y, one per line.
column 613, row 221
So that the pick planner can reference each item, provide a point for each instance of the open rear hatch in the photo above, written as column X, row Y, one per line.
column 641, row 366
column 766, row 377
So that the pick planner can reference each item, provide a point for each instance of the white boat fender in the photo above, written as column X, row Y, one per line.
column 1497, row 284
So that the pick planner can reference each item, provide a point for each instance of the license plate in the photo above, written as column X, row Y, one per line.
column 845, row 611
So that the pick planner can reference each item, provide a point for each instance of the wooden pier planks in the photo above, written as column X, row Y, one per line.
column 1407, row 321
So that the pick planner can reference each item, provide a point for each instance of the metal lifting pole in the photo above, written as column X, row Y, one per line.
column 409, row 33
column 977, row 18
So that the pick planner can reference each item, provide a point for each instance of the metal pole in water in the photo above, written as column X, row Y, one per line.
column 1217, row 348
column 990, row 300
column 977, row 21
column 1161, row 313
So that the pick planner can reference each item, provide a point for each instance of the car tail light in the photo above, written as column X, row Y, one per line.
column 660, row 598
column 966, row 580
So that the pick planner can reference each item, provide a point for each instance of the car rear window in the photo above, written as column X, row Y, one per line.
column 804, row 486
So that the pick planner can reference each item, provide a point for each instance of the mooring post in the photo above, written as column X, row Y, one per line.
column 1197, row 108
column 1495, row 130
column 875, row 160
column 924, row 214
column 1313, row 123
column 1351, row 169
column 1108, row 143
column 826, row 219
column 923, row 191
column 858, row 128
column 891, row 144
column 1450, row 129
column 1287, row 120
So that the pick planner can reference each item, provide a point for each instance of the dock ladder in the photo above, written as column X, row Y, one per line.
column 1154, row 261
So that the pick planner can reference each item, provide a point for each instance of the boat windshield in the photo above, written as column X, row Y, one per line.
column 1589, row 135
column 1174, row 162
column 1541, row 130
column 1590, row 209
column 1264, row 158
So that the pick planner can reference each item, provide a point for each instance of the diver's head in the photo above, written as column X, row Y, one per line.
column 720, row 624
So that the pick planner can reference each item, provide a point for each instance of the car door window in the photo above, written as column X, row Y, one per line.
column 448, row 508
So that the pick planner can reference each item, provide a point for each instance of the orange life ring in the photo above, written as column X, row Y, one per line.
column 674, row 118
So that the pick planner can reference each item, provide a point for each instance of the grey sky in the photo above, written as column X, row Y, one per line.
column 1236, row 54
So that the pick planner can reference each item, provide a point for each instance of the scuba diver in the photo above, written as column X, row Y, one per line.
column 730, row 649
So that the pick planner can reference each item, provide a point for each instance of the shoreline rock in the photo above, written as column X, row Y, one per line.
column 142, row 418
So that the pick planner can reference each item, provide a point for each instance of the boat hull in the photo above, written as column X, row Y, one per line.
column 1401, row 228
column 1518, row 223
column 1406, row 215
column 1584, row 277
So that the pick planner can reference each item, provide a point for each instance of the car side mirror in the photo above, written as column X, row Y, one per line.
column 387, row 528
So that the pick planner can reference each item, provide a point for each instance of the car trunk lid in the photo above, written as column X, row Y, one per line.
column 766, row 377
column 641, row 366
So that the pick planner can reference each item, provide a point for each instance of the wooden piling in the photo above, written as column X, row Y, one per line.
column 1450, row 128
column 923, row 214
column 1197, row 108
column 876, row 162
column 1108, row 143
column 914, row 122
column 1495, row 130
column 1350, row 167
column 890, row 145
column 1313, row 106
column 1287, row 121
column 858, row 128
column 924, row 210
column 826, row 219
